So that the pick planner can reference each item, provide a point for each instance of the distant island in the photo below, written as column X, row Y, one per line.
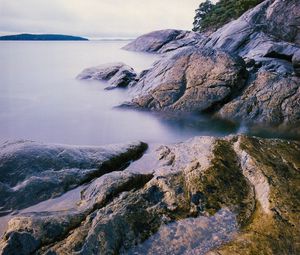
column 41, row 37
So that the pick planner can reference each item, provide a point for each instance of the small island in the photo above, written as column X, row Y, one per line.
column 41, row 37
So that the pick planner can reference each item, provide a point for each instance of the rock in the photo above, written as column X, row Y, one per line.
column 31, row 172
column 262, row 32
column 163, row 41
column 271, row 99
column 264, row 35
column 271, row 28
column 189, row 39
column 252, row 184
column 273, row 228
column 20, row 243
column 191, row 79
column 267, row 41
column 270, row 22
column 296, row 63
column 118, row 75
column 281, row 67
column 282, row 20
column 267, row 37
column 249, row 62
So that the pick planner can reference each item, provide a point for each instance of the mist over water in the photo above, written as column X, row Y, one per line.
column 41, row 100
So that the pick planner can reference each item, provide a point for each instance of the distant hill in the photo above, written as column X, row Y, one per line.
column 41, row 37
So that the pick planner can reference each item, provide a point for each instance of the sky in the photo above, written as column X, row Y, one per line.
column 95, row 18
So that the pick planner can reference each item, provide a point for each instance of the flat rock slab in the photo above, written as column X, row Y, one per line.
column 31, row 172
column 239, row 191
column 191, row 79
column 118, row 75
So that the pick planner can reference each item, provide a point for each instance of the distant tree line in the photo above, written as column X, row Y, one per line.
column 211, row 16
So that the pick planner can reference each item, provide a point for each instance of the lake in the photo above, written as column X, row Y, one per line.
column 41, row 100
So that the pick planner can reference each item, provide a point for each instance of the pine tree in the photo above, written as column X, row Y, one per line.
column 211, row 16
column 204, row 9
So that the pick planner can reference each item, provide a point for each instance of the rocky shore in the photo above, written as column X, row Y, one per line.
column 247, row 188
column 246, row 71
column 208, row 195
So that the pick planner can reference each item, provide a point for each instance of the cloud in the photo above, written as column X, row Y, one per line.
column 95, row 18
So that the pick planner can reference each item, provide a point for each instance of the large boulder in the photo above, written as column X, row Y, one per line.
column 267, row 37
column 31, row 172
column 191, row 79
column 270, row 99
column 271, row 29
column 242, row 192
column 118, row 75
column 162, row 41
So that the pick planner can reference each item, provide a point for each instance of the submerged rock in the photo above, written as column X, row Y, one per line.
column 255, row 180
column 31, row 172
column 162, row 41
column 118, row 75
column 191, row 79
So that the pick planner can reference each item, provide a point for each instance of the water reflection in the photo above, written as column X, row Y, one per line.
column 190, row 236
column 198, row 124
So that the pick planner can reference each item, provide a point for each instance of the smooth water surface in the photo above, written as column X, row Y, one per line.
column 41, row 100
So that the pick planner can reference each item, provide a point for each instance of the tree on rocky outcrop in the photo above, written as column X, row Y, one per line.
column 204, row 9
column 212, row 16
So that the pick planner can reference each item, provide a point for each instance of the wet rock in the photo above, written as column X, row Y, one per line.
column 191, row 79
column 271, row 99
column 49, row 170
column 250, row 183
column 163, row 41
column 118, row 75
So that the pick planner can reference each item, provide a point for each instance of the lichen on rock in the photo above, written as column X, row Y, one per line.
column 254, row 179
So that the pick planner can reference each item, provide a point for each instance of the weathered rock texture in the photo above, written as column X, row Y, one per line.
column 255, row 179
column 162, row 41
column 31, row 172
column 267, row 28
column 267, row 37
column 191, row 79
column 117, row 74
column 296, row 62
column 271, row 29
column 270, row 98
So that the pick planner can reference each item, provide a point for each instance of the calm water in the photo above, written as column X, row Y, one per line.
column 41, row 100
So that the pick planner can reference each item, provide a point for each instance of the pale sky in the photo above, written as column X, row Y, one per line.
column 95, row 18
